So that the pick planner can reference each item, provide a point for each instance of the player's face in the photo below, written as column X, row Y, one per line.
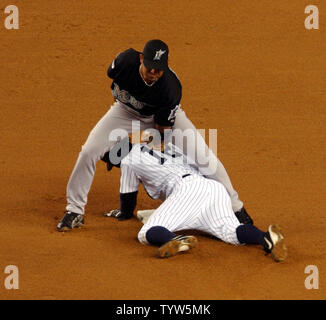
column 150, row 75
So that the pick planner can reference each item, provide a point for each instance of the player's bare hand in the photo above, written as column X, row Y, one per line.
column 116, row 213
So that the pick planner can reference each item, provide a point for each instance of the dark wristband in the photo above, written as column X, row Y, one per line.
column 128, row 203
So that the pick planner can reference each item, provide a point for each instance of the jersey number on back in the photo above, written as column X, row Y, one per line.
column 152, row 153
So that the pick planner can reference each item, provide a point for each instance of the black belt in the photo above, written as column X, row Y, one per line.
column 186, row 175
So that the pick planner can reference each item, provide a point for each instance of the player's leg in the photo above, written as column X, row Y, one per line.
column 178, row 212
column 96, row 145
column 272, row 241
column 218, row 219
column 81, row 178
column 197, row 147
column 169, row 243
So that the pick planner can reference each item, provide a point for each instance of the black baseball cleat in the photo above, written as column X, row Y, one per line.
column 70, row 220
column 243, row 216
column 274, row 243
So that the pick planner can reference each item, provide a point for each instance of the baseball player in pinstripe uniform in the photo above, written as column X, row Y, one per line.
column 147, row 90
column 191, row 202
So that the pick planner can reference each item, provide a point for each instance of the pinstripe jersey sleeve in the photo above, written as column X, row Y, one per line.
column 129, row 181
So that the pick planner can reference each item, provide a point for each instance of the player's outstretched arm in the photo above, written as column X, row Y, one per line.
column 128, row 202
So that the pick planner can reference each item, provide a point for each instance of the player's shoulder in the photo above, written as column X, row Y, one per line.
column 172, row 85
column 129, row 56
column 172, row 78
column 132, row 53
column 124, row 61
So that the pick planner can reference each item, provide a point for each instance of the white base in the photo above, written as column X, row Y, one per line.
column 143, row 215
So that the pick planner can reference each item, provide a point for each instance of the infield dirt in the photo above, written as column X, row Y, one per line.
column 249, row 69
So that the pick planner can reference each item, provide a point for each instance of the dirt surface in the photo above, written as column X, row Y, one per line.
column 249, row 69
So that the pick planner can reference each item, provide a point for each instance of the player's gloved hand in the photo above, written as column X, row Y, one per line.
column 116, row 213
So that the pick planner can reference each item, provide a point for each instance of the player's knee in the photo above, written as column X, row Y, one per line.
column 233, row 240
column 142, row 236
column 229, row 235
column 158, row 235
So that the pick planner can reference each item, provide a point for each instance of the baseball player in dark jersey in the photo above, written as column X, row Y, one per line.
column 191, row 202
column 146, row 90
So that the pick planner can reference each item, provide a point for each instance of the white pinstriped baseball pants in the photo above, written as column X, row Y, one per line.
column 196, row 203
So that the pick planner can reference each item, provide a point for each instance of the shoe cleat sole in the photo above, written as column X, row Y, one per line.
column 173, row 247
column 280, row 250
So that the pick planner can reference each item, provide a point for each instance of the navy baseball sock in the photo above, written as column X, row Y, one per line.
column 157, row 235
column 249, row 234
